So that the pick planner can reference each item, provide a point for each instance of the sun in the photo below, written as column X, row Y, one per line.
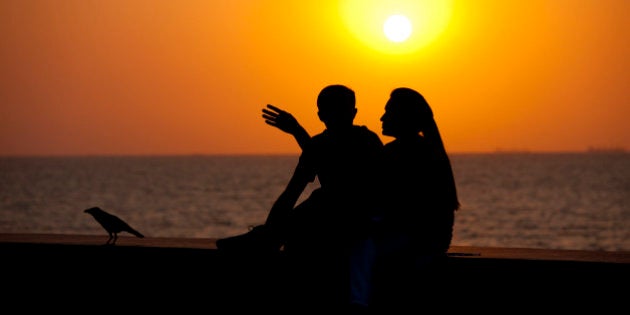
column 397, row 28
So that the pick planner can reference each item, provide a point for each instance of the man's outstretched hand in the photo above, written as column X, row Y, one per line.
column 284, row 121
column 280, row 119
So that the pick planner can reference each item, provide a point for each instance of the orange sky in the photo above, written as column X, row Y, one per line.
column 190, row 77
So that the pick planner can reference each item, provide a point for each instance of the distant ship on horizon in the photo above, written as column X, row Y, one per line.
column 606, row 150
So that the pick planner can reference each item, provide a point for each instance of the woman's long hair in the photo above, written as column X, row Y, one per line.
column 420, row 115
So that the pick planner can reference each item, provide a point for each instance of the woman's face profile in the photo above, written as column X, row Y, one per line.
column 390, row 121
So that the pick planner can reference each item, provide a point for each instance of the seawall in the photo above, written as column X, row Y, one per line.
column 67, row 272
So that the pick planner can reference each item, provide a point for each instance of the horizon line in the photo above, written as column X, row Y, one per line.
column 599, row 150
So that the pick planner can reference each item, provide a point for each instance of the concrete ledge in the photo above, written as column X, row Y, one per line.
column 155, row 274
column 622, row 257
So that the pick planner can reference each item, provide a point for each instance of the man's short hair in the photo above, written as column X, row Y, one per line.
column 336, row 97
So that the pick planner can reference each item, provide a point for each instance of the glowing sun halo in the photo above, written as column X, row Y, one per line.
column 397, row 28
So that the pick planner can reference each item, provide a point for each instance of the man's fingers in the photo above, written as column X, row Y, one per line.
column 269, row 113
column 276, row 109
column 270, row 117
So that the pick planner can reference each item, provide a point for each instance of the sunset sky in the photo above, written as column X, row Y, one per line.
column 144, row 77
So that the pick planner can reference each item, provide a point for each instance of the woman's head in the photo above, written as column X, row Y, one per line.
column 406, row 113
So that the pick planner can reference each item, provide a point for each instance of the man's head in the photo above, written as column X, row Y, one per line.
column 336, row 106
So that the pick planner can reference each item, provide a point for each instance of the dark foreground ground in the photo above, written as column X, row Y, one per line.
column 77, row 274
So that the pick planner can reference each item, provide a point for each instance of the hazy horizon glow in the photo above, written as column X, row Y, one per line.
column 138, row 77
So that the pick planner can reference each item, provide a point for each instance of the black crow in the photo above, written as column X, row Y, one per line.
column 112, row 224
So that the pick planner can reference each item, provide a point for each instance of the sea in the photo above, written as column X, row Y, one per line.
column 573, row 201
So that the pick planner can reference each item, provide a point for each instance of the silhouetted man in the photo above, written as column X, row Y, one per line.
column 345, row 158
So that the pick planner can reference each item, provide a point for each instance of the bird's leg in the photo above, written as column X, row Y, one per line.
column 111, row 237
column 115, row 238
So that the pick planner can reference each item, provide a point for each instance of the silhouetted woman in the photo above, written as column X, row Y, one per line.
column 416, row 227
column 422, row 199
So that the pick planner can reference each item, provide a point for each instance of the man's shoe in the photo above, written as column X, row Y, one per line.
column 259, row 239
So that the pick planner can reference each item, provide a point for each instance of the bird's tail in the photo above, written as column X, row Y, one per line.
column 136, row 233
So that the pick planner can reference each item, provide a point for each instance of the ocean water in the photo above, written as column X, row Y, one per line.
column 575, row 201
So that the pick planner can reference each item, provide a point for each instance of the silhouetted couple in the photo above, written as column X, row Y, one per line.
column 376, row 203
